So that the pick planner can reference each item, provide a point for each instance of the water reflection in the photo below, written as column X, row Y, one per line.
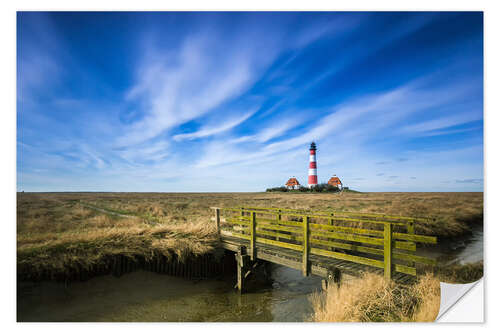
column 146, row 296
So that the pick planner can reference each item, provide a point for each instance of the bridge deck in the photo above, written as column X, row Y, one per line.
column 319, row 265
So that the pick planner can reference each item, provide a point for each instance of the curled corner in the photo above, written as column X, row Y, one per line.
column 451, row 297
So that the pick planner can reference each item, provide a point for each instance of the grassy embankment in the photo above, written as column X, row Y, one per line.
column 60, row 230
column 371, row 298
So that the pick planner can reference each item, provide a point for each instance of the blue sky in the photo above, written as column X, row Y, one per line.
column 231, row 101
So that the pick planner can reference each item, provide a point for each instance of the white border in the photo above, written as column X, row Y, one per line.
column 8, row 139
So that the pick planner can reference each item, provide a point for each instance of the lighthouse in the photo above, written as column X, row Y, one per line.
column 313, row 174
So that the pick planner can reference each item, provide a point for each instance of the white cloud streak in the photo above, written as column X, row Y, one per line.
column 185, row 86
column 442, row 122
column 213, row 130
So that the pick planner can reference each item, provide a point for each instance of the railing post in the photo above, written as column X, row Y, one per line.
column 252, row 237
column 278, row 219
column 330, row 222
column 411, row 231
column 388, row 251
column 217, row 221
column 305, row 255
column 242, row 213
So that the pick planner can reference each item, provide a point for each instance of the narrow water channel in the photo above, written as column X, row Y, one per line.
column 464, row 250
column 149, row 297
column 146, row 296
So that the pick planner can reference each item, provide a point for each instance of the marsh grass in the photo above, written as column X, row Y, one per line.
column 58, row 231
column 458, row 273
column 371, row 298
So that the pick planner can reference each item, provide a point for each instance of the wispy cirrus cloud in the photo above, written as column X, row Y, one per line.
column 472, row 180
column 427, row 127
column 185, row 88
column 207, row 131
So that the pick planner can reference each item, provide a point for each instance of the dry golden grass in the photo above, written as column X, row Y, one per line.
column 371, row 298
column 58, row 230
column 55, row 232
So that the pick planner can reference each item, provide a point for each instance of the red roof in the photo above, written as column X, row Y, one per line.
column 292, row 182
column 334, row 181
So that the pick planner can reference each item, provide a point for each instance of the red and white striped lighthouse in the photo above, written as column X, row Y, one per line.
column 313, row 173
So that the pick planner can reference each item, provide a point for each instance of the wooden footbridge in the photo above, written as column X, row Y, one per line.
column 328, row 244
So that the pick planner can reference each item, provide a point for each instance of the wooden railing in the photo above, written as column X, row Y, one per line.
column 376, row 240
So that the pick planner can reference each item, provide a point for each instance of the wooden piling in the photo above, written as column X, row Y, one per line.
column 239, row 271
column 305, row 254
column 169, row 267
column 241, row 266
column 387, row 251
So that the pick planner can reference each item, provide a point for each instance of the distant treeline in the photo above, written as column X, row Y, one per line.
column 318, row 188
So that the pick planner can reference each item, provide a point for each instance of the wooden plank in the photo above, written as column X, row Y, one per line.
column 348, row 246
column 237, row 221
column 416, row 238
column 405, row 246
column 232, row 210
column 348, row 237
column 279, row 244
column 229, row 245
column 280, row 222
column 235, row 234
column 277, row 234
column 406, row 270
column 279, row 259
column 305, row 245
column 348, row 257
column 348, row 230
column 388, row 251
column 272, row 226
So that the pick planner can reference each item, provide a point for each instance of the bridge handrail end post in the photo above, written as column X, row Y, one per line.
column 388, row 251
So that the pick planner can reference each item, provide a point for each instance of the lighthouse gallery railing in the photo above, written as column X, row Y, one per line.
column 382, row 241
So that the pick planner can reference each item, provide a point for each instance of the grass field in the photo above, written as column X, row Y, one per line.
column 59, row 230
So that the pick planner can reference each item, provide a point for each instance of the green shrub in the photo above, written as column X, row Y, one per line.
column 325, row 188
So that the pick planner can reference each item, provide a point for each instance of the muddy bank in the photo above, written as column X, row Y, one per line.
column 194, row 267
